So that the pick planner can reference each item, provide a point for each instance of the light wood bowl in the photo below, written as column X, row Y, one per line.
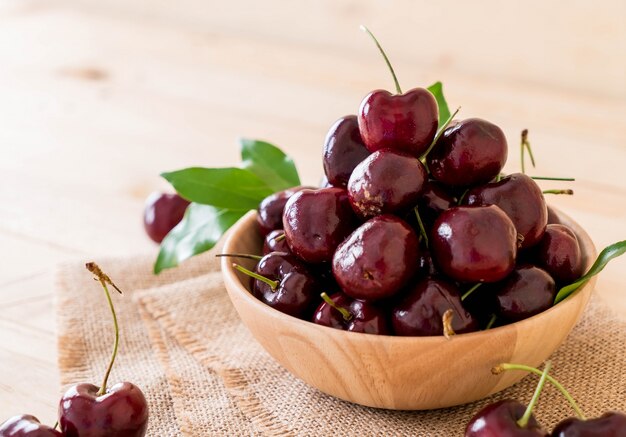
column 400, row 373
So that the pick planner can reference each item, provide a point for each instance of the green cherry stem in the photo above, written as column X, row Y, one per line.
column 470, row 291
column 239, row 255
column 347, row 315
column 423, row 233
column 438, row 135
column 491, row 322
column 569, row 192
column 280, row 237
column 104, row 279
column 523, row 422
column 525, row 145
column 273, row 284
column 382, row 52
column 548, row 178
column 510, row 366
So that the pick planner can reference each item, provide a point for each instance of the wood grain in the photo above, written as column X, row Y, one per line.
column 98, row 98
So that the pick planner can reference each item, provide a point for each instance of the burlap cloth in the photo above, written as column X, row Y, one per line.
column 203, row 374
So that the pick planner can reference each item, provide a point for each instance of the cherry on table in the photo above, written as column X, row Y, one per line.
column 527, row 291
column 340, row 311
column 377, row 259
column 610, row 424
column 270, row 211
column 343, row 150
column 559, row 253
column 26, row 425
column 162, row 212
column 386, row 182
column 474, row 243
column 500, row 420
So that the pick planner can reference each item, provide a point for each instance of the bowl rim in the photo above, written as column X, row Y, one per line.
column 249, row 219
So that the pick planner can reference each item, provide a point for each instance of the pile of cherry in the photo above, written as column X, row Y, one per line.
column 86, row 410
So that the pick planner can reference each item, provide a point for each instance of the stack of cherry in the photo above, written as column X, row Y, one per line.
column 86, row 410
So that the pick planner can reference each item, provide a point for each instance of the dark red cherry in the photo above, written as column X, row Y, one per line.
column 343, row 150
column 474, row 243
column 361, row 316
column 26, row 426
column 469, row 153
column 316, row 221
column 405, row 122
column 435, row 200
column 420, row 312
column 527, row 291
column 275, row 241
column 611, row 424
column 121, row 411
column 296, row 292
column 270, row 211
column 553, row 217
column 386, row 182
column 377, row 259
column 559, row 254
column 162, row 212
column 500, row 420
column 521, row 199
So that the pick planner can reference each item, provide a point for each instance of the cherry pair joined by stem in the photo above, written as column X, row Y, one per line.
column 340, row 311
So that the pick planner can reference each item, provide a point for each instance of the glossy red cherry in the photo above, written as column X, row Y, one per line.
column 275, row 241
column 377, row 259
column 474, row 243
column 521, row 199
column 611, row 424
column 162, row 213
column 270, row 211
column 316, row 221
column 500, row 420
column 421, row 310
column 350, row 314
column 559, row 254
column 386, row 182
column 121, row 411
column 405, row 122
column 26, row 426
column 469, row 153
column 343, row 150
column 527, row 291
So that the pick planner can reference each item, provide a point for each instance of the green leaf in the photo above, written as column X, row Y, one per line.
column 610, row 252
column 199, row 230
column 230, row 188
column 269, row 163
column 444, row 112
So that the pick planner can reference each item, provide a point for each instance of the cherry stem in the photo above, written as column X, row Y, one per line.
column 548, row 178
column 526, row 146
column 273, row 284
column 423, row 233
column 570, row 192
column 56, row 425
column 446, row 319
column 438, row 135
column 458, row 202
column 510, row 366
column 470, row 291
column 240, row 255
column 280, row 237
column 347, row 315
column 523, row 422
column 491, row 322
column 382, row 52
column 104, row 279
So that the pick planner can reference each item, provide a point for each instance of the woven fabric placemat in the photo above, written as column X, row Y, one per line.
column 204, row 374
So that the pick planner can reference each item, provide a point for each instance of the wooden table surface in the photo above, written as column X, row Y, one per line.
column 97, row 98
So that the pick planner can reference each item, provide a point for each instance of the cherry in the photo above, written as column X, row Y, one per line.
column 270, row 211
column 553, row 218
column 474, row 243
column 26, row 426
column 559, row 254
column 162, row 213
column 343, row 150
column 527, row 291
column 340, row 311
column 435, row 200
column 611, row 424
column 285, row 283
column 421, row 310
column 386, row 182
column 275, row 241
column 472, row 152
column 377, row 259
column 521, row 199
column 500, row 420
column 89, row 411
column 316, row 221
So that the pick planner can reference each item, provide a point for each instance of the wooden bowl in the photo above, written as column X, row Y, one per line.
column 400, row 373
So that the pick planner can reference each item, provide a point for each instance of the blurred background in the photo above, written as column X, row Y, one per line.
column 97, row 98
